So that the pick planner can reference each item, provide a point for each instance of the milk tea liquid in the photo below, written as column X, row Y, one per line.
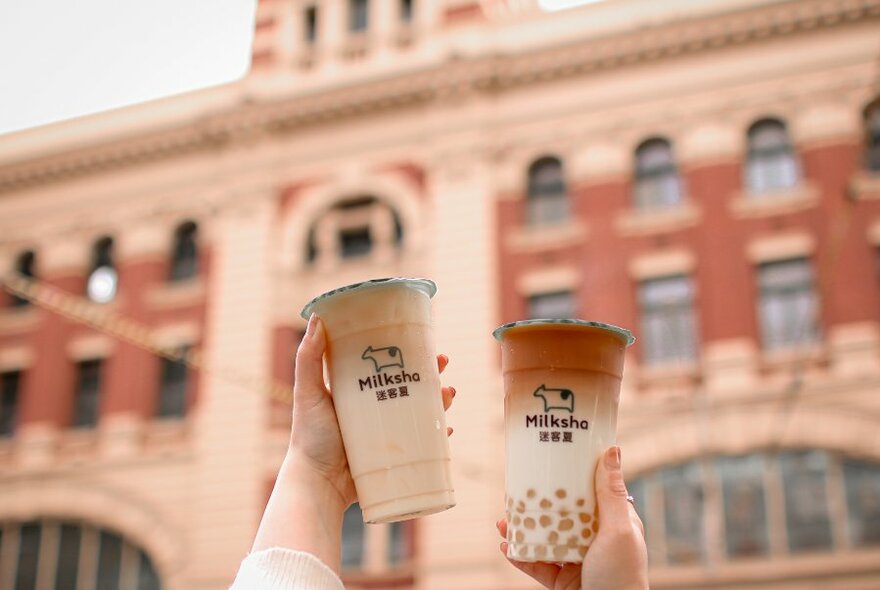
column 386, row 391
column 562, row 385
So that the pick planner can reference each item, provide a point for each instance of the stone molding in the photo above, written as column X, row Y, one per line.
column 489, row 74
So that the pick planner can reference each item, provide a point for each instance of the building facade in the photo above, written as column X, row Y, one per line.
column 706, row 174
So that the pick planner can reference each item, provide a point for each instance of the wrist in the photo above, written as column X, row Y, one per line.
column 299, row 472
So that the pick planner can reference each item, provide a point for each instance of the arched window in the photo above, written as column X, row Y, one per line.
column 103, row 279
column 185, row 253
column 726, row 507
column 65, row 554
column 354, row 228
column 872, row 136
column 25, row 265
column 547, row 195
column 771, row 163
column 657, row 183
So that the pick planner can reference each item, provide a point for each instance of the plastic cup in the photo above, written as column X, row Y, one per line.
column 386, row 391
column 561, row 390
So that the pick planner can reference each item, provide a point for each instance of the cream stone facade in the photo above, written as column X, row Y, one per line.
column 438, row 118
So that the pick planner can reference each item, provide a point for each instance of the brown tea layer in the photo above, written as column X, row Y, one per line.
column 556, row 528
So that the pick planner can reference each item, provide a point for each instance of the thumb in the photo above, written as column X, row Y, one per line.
column 611, row 491
column 309, row 375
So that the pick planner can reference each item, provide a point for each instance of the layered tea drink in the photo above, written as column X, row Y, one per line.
column 386, row 390
column 561, row 388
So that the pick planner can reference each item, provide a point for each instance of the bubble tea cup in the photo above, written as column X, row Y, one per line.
column 386, row 391
column 561, row 390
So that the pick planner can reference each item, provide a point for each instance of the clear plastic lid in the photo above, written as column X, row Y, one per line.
column 623, row 333
column 426, row 286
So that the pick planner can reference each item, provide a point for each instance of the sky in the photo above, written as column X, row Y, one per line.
column 61, row 59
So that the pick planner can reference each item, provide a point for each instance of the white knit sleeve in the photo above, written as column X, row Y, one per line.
column 284, row 569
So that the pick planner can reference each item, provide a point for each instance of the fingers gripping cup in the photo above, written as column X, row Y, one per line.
column 386, row 391
column 561, row 388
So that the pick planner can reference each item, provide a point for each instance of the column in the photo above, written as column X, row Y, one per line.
column 230, row 419
column 331, row 29
column 458, row 548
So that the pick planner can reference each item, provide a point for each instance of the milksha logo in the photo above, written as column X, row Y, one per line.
column 555, row 400
column 389, row 357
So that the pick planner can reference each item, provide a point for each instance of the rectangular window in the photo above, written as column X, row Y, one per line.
column 683, row 514
column 863, row 502
column 406, row 10
column 172, row 389
column 68, row 557
column 668, row 324
column 352, row 538
column 109, row 561
column 28, row 556
column 788, row 305
column 806, row 500
column 745, row 506
column 88, row 387
column 358, row 15
column 399, row 542
column 355, row 242
column 556, row 305
column 310, row 24
column 10, row 383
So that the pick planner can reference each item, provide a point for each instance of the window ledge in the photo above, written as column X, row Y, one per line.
column 165, row 434
column 781, row 202
column 546, row 237
column 19, row 319
column 642, row 222
column 79, row 443
column 666, row 373
column 865, row 186
column 177, row 294
column 788, row 357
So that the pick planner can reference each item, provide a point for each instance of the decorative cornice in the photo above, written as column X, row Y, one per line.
column 456, row 78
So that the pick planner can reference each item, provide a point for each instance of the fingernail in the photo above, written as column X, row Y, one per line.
column 452, row 389
column 612, row 458
column 449, row 431
column 310, row 328
column 504, row 547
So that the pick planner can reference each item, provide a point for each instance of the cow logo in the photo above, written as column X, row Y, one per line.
column 556, row 399
column 383, row 358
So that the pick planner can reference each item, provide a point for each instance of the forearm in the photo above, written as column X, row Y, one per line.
column 304, row 513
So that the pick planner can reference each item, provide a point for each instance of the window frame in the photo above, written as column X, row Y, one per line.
column 14, row 392
column 77, row 419
column 184, row 259
column 782, row 297
column 652, row 181
column 682, row 312
column 547, row 201
column 766, row 167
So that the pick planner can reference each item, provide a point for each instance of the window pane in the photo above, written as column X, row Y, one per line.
column 358, row 15
column 109, row 557
column 863, row 501
column 399, row 542
column 184, row 260
column 771, row 163
column 668, row 322
column 657, row 183
column 9, row 399
column 683, row 513
column 872, row 136
column 172, row 392
column 806, row 500
column 148, row 579
column 85, row 412
column 355, row 242
column 28, row 556
column 352, row 538
column 745, row 510
column 547, row 198
column 558, row 305
column 406, row 10
column 310, row 22
column 788, row 305
column 68, row 558
column 25, row 267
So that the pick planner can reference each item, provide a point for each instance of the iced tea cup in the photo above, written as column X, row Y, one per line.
column 386, row 390
column 561, row 388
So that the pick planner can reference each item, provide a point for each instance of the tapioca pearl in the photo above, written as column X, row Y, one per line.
column 566, row 524
column 520, row 536
column 596, row 526
column 582, row 551
column 572, row 541
column 520, row 506
column 564, row 513
column 540, row 551
column 546, row 504
column 560, row 552
column 581, row 501
column 586, row 533
column 522, row 551
column 585, row 518
column 529, row 523
column 553, row 537
column 531, row 494
column 516, row 520
column 560, row 493
column 545, row 521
